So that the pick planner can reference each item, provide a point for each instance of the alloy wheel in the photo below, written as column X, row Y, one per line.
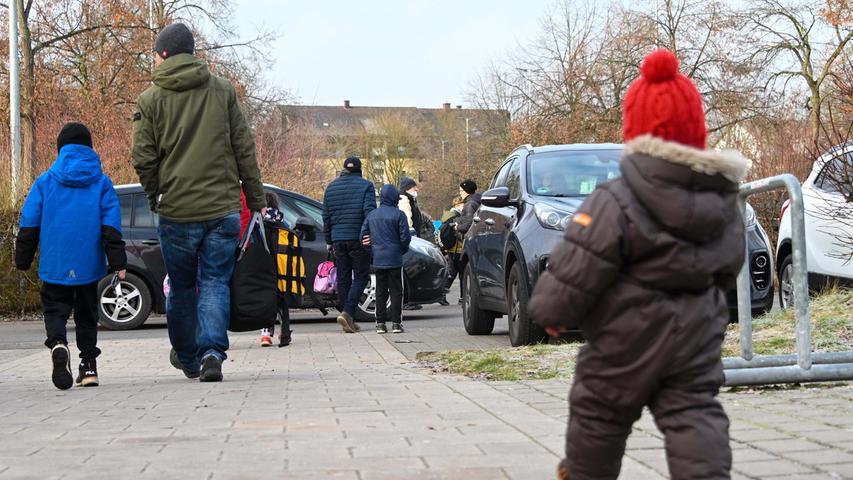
column 515, row 306
column 122, row 303
column 786, row 285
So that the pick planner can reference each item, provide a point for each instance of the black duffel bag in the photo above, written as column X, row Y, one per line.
column 254, row 297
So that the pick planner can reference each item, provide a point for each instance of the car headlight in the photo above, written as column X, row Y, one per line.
column 552, row 219
column 749, row 216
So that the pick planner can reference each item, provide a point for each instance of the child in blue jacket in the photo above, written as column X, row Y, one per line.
column 386, row 231
column 72, row 210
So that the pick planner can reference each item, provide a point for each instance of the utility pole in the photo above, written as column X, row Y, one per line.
column 14, row 101
column 152, row 27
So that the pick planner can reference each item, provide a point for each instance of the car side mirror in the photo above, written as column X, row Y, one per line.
column 496, row 197
column 306, row 226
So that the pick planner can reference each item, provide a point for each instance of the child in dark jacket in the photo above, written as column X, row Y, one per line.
column 386, row 231
column 642, row 272
column 72, row 210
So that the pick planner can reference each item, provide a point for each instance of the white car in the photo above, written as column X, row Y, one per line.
column 828, row 201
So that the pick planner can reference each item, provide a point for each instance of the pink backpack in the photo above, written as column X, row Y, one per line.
column 326, row 281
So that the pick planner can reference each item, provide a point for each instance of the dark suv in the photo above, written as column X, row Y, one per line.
column 523, row 216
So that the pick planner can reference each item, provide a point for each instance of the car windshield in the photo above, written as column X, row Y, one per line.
column 573, row 173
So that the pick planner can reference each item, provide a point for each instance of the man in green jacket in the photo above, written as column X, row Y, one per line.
column 191, row 149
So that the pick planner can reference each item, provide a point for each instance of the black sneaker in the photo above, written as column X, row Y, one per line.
column 347, row 323
column 173, row 359
column 61, row 358
column 412, row 306
column 443, row 302
column 211, row 369
column 284, row 340
column 397, row 328
column 381, row 328
column 87, row 374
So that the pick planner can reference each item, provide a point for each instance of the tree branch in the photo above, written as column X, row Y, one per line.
column 47, row 43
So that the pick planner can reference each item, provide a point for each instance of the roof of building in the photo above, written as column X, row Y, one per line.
column 350, row 120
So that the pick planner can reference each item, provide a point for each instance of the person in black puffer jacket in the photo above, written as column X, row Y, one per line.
column 346, row 203
column 472, row 199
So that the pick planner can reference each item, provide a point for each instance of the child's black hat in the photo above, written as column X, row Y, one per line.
column 73, row 133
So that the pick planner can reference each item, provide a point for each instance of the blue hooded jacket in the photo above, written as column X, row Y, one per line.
column 72, row 210
column 388, row 230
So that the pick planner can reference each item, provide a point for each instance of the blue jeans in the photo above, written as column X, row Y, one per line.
column 200, row 259
column 351, row 260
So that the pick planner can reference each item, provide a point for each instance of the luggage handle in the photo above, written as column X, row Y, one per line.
column 256, row 222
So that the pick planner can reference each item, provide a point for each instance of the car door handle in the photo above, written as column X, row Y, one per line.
column 476, row 219
column 151, row 242
column 490, row 221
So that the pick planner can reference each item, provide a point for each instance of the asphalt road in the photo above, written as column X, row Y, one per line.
column 29, row 335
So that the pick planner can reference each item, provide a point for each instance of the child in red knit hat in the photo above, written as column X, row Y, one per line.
column 641, row 272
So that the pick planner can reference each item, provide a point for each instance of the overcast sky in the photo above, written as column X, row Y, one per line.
column 387, row 52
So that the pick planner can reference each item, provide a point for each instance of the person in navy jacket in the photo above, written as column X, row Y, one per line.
column 72, row 211
column 386, row 231
column 346, row 203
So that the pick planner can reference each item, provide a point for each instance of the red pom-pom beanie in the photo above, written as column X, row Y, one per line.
column 664, row 103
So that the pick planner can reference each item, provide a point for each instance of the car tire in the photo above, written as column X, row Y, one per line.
column 522, row 331
column 476, row 320
column 125, row 306
column 786, row 282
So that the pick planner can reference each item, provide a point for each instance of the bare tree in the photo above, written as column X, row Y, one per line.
column 795, row 41
column 102, row 52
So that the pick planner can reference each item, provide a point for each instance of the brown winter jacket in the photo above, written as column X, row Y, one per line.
column 661, row 242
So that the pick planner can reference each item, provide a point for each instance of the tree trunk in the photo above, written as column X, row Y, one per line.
column 28, row 80
column 814, row 117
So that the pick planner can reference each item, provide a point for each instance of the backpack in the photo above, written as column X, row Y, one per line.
column 254, row 296
column 446, row 235
column 290, row 265
column 326, row 281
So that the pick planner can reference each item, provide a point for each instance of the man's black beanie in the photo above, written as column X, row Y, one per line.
column 174, row 39
column 469, row 186
column 73, row 133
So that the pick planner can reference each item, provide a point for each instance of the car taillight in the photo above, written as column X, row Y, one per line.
column 784, row 207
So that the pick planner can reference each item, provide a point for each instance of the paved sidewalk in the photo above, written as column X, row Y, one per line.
column 353, row 407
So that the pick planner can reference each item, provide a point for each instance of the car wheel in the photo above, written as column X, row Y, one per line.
column 366, row 309
column 476, row 320
column 786, row 283
column 124, row 306
column 522, row 331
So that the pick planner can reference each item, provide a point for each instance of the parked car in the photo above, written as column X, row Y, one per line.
column 129, row 304
column 523, row 216
column 828, row 205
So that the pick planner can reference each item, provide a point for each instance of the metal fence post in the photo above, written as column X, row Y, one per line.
column 801, row 287
column 756, row 370
column 744, row 294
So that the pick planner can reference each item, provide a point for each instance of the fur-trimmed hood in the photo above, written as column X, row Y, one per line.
column 690, row 192
column 728, row 163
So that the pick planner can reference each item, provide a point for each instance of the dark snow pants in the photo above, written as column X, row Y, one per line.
column 672, row 366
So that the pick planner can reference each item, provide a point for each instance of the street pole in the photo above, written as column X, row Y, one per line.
column 14, row 101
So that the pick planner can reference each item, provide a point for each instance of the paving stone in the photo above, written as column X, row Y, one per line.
column 771, row 468
column 788, row 445
column 820, row 457
column 742, row 455
column 839, row 470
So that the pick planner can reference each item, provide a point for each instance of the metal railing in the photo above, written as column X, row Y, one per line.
column 804, row 366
